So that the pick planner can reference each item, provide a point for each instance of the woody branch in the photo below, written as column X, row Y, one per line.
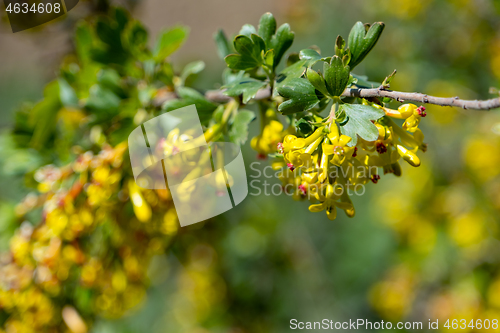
column 218, row 96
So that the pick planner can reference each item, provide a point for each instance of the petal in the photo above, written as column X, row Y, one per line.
column 331, row 212
column 298, row 143
column 289, row 138
column 344, row 205
column 317, row 208
column 276, row 126
column 344, row 139
column 327, row 149
column 332, row 136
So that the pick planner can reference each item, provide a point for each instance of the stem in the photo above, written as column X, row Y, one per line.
column 493, row 103
column 424, row 98
column 333, row 114
column 262, row 109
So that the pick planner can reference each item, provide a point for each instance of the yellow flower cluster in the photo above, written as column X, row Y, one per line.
column 324, row 168
column 271, row 134
column 86, row 239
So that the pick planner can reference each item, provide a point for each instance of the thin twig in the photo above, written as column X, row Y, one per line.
column 218, row 96
column 424, row 98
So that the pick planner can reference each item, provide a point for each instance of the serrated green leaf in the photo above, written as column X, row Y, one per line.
column 246, row 86
column 239, row 129
column 267, row 28
column 358, row 122
column 336, row 76
column 169, row 41
column 250, row 52
column 281, row 42
column 300, row 95
column 361, row 42
column 224, row 48
column 317, row 81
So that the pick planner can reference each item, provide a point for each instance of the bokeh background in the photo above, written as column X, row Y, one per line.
column 423, row 246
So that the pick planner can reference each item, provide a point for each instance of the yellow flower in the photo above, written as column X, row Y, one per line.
column 337, row 147
column 142, row 209
column 266, row 142
column 403, row 112
column 411, row 123
column 408, row 156
column 329, row 202
column 298, row 151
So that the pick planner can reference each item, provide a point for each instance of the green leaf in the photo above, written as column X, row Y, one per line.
column 102, row 101
column 336, row 76
column 223, row 46
column 121, row 17
column 189, row 96
column 228, row 76
column 281, row 42
column 358, row 122
column 267, row 28
column 246, row 86
column 43, row 117
column 108, row 33
column 110, row 79
column 312, row 56
column 269, row 58
column 137, row 34
column 136, row 39
column 361, row 41
column 292, row 58
column 317, row 81
column 362, row 81
column 388, row 79
column 169, row 41
column 301, row 96
column 67, row 94
column 247, row 30
column 296, row 70
column 83, row 41
column 250, row 52
column 304, row 127
column 192, row 68
column 239, row 129
column 340, row 46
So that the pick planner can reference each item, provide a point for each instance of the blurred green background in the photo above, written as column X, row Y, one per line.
column 423, row 246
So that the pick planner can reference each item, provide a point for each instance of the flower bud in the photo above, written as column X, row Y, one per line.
column 407, row 110
column 408, row 156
